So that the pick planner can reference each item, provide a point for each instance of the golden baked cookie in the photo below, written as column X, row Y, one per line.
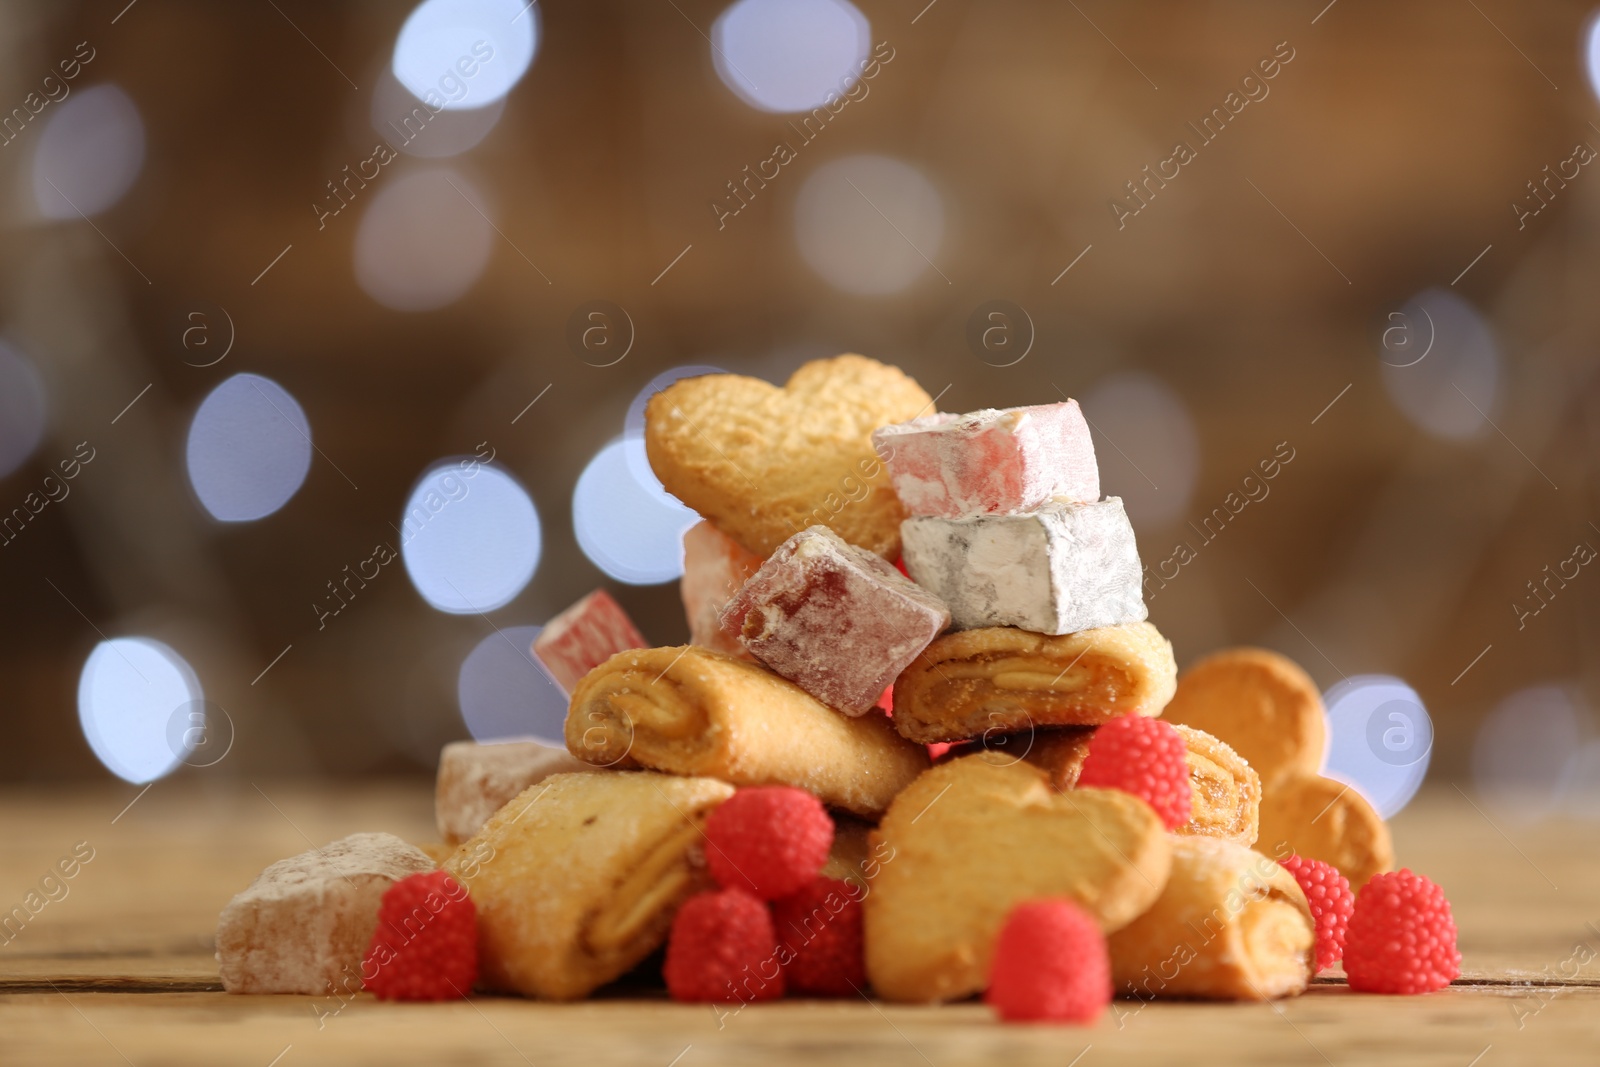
column 1231, row 925
column 998, row 679
column 1261, row 704
column 1326, row 820
column 1226, row 790
column 578, row 878
column 689, row 710
column 764, row 462
column 971, row 839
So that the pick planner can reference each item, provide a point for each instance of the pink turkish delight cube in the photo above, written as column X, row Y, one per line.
column 584, row 636
column 834, row 619
column 991, row 462
column 715, row 566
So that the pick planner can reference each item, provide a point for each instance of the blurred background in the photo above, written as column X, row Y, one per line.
column 1323, row 276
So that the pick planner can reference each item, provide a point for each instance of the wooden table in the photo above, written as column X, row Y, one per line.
column 119, row 970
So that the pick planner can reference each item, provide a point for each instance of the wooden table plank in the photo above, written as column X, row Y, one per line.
column 117, row 969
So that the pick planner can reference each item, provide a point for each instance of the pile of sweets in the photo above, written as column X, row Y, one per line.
column 875, row 583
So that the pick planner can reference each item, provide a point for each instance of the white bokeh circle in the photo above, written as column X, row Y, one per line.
column 464, row 54
column 470, row 537
column 423, row 241
column 790, row 55
column 249, row 448
column 869, row 225
column 128, row 691
column 626, row 523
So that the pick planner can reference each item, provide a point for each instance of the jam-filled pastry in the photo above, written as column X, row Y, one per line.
column 998, row 679
column 577, row 879
column 1230, row 925
column 971, row 839
column 1261, row 704
column 690, row 710
column 1226, row 790
column 1327, row 820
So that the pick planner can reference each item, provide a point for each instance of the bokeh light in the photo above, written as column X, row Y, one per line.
column 631, row 528
column 249, row 448
column 90, row 152
column 128, row 693
column 790, row 55
column 463, row 54
column 505, row 692
column 407, row 124
column 424, row 240
column 1380, row 739
column 1146, row 443
column 1591, row 53
column 1522, row 750
column 22, row 409
column 1580, row 782
column 470, row 537
column 869, row 224
column 1441, row 365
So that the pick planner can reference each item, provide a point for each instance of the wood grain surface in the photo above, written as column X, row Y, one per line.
column 119, row 969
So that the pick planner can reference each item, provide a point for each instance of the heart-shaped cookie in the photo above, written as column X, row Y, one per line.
column 968, row 841
column 764, row 463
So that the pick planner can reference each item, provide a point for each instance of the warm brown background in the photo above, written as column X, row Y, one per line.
column 1396, row 141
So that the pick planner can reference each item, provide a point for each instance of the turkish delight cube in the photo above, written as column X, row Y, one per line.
column 584, row 636
column 834, row 619
column 477, row 779
column 304, row 924
column 1056, row 570
column 991, row 462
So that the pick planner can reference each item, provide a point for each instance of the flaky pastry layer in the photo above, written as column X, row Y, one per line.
column 577, row 879
column 1231, row 924
column 999, row 678
column 690, row 710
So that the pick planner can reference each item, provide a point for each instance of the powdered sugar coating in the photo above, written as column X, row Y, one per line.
column 476, row 780
column 991, row 461
column 834, row 619
column 304, row 924
column 1056, row 570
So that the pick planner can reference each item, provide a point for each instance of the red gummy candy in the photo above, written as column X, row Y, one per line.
column 722, row 950
column 1328, row 893
column 1402, row 938
column 1050, row 965
column 425, row 946
column 768, row 840
column 821, row 927
column 1145, row 757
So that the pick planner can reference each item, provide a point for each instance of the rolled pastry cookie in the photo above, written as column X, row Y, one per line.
column 1226, row 790
column 1230, row 925
column 1327, row 820
column 998, row 679
column 690, row 710
column 971, row 839
column 1261, row 704
column 578, row 878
